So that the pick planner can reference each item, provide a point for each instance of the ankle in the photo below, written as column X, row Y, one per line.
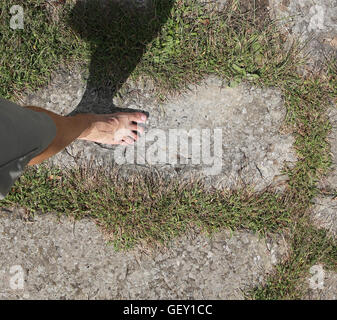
column 87, row 122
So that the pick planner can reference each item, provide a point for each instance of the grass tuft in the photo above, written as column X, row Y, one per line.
column 29, row 56
column 147, row 209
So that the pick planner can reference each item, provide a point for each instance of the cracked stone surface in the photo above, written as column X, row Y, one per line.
column 48, row 258
column 313, row 20
column 322, row 284
column 245, row 145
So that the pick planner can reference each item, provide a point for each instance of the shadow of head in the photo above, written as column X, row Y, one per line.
column 118, row 33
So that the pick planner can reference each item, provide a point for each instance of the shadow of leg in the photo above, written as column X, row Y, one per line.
column 118, row 32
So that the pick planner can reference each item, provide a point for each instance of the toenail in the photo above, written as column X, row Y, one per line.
column 143, row 117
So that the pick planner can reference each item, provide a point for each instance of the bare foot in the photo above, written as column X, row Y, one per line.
column 116, row 128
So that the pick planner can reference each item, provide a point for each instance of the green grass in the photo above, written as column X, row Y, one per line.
column 196, row 41
column 306, row 103
column 182, row 41
column 29, row 56
column 181, row 44
column 309, row 247
column 147, row 209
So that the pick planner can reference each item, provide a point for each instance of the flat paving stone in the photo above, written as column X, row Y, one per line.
column 228, row 137
column 50, row 258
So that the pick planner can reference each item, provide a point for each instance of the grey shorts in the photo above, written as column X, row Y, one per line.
column 23, row 135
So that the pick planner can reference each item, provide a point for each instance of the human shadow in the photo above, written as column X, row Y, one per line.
column 118, row 33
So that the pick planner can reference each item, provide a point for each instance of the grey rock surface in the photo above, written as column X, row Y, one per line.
column 324, row 213
column 322, row 284
column 50, row 258
column 245, row 145
column 309, row 20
